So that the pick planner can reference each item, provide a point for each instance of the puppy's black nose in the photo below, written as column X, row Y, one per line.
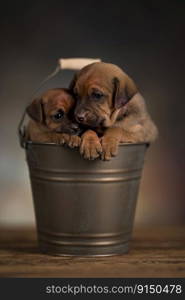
column 80, row 117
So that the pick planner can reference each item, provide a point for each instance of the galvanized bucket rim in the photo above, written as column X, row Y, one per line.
column 58, row 145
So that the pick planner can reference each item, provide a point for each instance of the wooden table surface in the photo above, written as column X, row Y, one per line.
column 155, row 252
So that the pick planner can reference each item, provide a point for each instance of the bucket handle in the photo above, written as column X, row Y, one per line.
column 63, row 64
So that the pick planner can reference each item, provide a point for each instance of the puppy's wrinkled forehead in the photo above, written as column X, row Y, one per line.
column 99, row 75
column 57, row 99
column 93, row 79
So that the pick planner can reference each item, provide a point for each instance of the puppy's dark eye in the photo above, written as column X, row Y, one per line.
column 59, row 115
column 97, row 95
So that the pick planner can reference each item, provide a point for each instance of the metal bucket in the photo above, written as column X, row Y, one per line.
column 84, row 207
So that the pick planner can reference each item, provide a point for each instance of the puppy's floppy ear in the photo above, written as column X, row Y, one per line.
column 121, row 95
column 35, row 110
column 73, row 82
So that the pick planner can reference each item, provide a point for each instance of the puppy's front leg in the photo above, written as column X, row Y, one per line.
column 90, row 146
column 63, row 138
column 74, row 141
column 57, row 138
column 110, row 142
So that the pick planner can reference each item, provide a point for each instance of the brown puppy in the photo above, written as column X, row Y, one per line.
column 109, row 102
column 50, row 119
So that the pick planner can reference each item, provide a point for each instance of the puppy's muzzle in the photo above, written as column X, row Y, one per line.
column 71, row 128
column 87, row 118
column 81, row 117
column 74, row 128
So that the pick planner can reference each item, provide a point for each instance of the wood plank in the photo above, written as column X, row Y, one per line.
column 155, row 252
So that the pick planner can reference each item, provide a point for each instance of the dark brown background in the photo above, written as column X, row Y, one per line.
column 146, row 38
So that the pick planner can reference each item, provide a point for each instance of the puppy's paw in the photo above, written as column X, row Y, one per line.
column 109, row 147
column 74, row 141
column 90, row 148
column 128, row 138
column 64, row 138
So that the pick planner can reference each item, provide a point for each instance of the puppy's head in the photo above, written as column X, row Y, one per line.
column 102, row 90
column 54, row 111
